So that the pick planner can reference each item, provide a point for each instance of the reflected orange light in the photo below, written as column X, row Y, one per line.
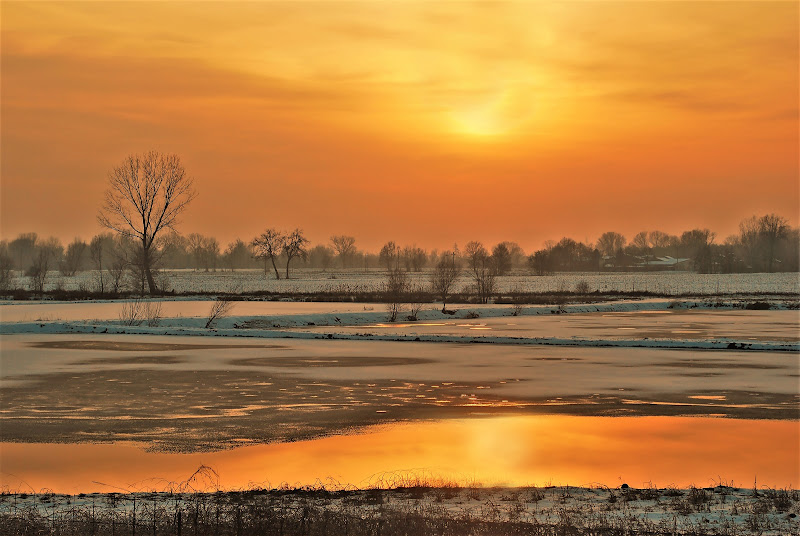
column 526, row 450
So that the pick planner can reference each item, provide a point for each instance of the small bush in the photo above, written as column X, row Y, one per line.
column 132, row 313
column 394, row 290
column 152, row 313
column 582, row 287
column 220, row 309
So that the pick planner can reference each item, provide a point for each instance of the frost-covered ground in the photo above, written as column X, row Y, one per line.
column 416, row 510
column 306, row 281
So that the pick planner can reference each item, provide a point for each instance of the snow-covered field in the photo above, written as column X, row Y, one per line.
column 353, row 281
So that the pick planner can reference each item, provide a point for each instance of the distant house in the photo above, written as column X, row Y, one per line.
column 631, row 262
column 663, row 263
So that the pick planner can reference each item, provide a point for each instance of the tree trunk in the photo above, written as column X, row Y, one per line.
column 288, row 260
column 771, row 256
column 277, row 275
column 151, row 283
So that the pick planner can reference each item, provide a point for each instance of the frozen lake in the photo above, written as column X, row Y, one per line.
column 648, row 324
column 141, row 410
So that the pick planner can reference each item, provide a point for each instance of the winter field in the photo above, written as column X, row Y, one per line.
column 307, row 281
column 674, row 415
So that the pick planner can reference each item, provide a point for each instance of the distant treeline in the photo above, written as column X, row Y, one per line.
column 763, row 244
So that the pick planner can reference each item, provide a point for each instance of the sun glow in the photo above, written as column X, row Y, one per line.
column 500, row 115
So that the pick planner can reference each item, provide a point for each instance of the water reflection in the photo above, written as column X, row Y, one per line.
column 499, row 450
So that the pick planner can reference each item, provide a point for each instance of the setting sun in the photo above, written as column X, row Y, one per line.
column 343, row 101
column 493, row 116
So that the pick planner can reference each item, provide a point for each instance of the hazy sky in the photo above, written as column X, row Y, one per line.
column 408, row 121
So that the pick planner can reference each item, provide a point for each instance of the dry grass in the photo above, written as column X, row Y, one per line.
column 421, row 509
column 138, row 312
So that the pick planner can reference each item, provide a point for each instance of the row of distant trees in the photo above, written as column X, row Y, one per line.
column 148, row 192
column 763, row 244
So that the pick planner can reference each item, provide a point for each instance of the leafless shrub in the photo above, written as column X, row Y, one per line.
column 416, row 299
column 152, row 314
column 582, row 287
column 138, row 312
column 472, row 314
column 536, row 495
column 517, row 300
column 394, row 291
column 220, row 309
column 132, row 313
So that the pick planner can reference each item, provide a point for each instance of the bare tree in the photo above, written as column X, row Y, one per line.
column 204, row 250
column 294, row 245
column 38, row 270
column 485, row 280
column 395, row 289
column 345, row 247
column 772, row 229
column 501, row 257
column 119, row 263
column 475, row 254
column 444, row 277
column 641, row 245
column 97, row 254
column 237, row 255
column 146, row 195
column 414, row 258
column 610, row 243
column 749, row 240
column 641, row 241
column 516, row 254
column 389, row 255
column 73, row 258
column 659, row 239
column 696, row 244
column 22, row 250
column 268, row 246
column 321, row 256
column 483, row 270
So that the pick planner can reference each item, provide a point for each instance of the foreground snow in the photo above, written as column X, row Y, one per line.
column 414, row 509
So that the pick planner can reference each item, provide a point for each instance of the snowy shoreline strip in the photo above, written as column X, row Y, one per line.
column 59, row 328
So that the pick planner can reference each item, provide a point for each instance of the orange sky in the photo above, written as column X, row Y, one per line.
column 407, row 121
